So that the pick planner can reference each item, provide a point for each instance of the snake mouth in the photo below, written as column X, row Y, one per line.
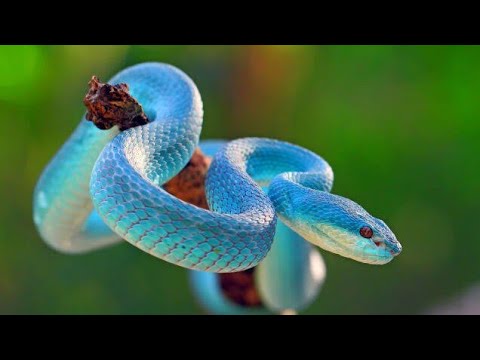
column 392, row 248
column 381, row 245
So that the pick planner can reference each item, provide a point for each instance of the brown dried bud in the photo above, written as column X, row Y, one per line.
column 189, row 185
column 110, row 105
column 240, row 288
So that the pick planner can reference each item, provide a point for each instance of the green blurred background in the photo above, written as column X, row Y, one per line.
column 399, row 125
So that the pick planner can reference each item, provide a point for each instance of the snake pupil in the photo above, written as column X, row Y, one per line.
column 366, row 232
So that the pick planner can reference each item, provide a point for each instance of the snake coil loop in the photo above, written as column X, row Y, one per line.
column 105, row 186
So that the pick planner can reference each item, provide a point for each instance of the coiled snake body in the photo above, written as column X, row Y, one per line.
column 104, row 186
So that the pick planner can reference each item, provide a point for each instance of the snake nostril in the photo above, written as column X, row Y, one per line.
column 378, row 243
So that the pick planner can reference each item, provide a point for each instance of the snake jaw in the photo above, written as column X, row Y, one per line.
column 379, row 250
column 381, row 245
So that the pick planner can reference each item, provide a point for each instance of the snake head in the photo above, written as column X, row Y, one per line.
column 341, row 226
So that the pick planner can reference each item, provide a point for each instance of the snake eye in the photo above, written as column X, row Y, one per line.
column 366, row 232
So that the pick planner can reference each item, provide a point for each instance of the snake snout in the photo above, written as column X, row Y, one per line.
column 396, row 249
column 393, row 245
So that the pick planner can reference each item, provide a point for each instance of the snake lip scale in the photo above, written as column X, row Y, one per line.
column 104, row 186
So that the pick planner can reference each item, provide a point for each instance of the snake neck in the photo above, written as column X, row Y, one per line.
column 297, row 196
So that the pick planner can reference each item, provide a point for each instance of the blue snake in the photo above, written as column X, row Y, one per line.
column 105, row 185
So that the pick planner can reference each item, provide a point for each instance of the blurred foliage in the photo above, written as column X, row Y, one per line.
column 398, row 124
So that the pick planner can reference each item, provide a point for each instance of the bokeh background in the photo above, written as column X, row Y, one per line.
column 399, row 125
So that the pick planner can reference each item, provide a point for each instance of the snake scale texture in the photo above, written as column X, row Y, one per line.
column 104, row 186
